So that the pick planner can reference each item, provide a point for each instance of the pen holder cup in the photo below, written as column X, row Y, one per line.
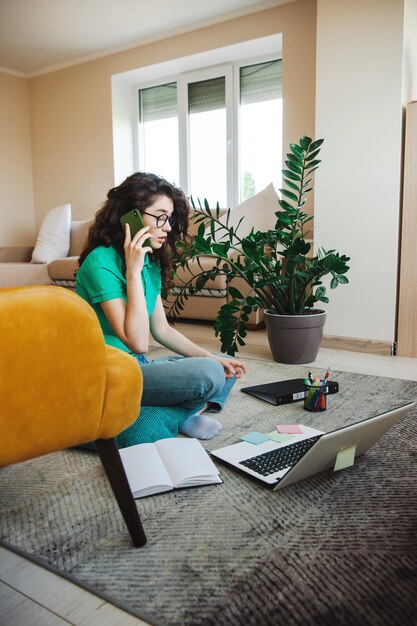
column 316, row 398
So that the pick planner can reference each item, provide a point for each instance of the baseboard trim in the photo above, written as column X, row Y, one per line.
column 370, row 346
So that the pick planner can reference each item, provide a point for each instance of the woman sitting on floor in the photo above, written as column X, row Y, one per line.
column 121, row 278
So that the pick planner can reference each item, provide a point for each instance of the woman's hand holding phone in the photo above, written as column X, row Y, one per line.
column 136, row 248
column 137, row 240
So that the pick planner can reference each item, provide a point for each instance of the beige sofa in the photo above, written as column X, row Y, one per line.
column 259, row 213
column 16, row 268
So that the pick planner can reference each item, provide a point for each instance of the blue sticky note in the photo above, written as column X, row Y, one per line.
column 255, row 437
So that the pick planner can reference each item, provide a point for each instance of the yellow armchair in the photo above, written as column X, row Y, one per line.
column 61, row 386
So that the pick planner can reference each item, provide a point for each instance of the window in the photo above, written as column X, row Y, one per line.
column 158, row 139
column 260, row 135
column 208, row 140
column 216, row 132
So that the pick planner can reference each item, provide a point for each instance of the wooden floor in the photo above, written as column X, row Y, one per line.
column 31, row 595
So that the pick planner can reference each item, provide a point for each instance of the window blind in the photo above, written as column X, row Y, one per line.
column 207, row 95
column 260, row 82
column 156, row 103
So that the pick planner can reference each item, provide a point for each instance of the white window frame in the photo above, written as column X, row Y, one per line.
column 231, row 71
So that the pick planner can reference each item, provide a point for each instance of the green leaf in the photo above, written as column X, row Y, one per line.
column 285, row 219
column 248, row 247
column 289, row 194
column 313, row 163
column 312, row 155
column 293, row 167
column 285, row 205
column 295, row 159
column 297, row 150
column 235, row 293
column 299, row 246
column 312, row 170
column 343, row 280
column 290, row 184
column 291, row 175
column 305, row 142
column 221, row 249
column 201, row 243
column 316, row 144
column 334, row 282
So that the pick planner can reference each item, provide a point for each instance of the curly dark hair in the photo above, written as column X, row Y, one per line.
column 139, row 191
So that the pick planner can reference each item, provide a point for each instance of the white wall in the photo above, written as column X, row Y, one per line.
column 124, row 117
column 410, row 51
column 357, row 198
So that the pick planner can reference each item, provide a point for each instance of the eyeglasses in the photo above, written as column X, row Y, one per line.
column 161, row 220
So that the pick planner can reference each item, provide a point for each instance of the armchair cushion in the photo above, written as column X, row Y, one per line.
column 60, row 385
column 53, row 239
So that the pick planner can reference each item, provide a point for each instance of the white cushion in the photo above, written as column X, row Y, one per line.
column 258, row 212
column 53, row 240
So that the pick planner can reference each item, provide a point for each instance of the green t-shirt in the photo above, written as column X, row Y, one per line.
column 101, row 278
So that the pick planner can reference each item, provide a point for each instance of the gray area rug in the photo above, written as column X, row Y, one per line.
column 338, row 548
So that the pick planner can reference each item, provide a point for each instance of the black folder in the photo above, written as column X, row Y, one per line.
column 285, row 391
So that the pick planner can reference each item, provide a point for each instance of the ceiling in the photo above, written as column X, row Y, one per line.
column 40, row 35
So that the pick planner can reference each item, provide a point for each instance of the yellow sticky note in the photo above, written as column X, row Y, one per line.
column 345, row 457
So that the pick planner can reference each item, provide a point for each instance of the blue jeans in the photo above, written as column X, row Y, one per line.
column 189, row 382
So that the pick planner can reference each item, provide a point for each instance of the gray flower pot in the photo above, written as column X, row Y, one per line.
column 295, row 338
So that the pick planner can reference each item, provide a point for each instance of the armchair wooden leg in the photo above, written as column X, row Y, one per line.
column 113, row 466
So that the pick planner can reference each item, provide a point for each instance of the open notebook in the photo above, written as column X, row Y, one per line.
column 278, row 465
column 167, row 464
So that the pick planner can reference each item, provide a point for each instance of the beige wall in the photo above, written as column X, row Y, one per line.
column 16, row 186
column 71, row 109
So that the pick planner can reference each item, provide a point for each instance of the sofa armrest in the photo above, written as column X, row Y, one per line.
column 15, row 254
column 63, row 269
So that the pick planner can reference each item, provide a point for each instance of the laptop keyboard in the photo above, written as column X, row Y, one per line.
column 279, row 459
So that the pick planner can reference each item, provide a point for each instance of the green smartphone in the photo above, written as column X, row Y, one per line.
column 135, row 221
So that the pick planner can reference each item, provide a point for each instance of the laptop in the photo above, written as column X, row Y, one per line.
column 278, row 465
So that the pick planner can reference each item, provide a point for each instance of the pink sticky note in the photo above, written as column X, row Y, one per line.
column 291, row 429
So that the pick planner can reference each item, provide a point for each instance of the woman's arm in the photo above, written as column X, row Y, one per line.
column 177, row 342
column 130, row 321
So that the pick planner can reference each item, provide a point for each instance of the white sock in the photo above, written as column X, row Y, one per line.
column 200, row 426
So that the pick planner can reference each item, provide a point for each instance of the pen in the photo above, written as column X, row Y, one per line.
column 318, row 399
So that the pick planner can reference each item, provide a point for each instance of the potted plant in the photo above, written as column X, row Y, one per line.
column 277, row 267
